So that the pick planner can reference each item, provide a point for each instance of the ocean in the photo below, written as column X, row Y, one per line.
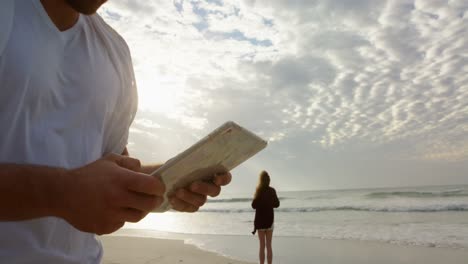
column 435, row 216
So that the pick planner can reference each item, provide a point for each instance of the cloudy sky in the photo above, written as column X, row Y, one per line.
column 349, row 94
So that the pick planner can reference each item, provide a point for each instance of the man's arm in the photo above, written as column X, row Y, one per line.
column 97, row 198
column 28, row 191
column 193, row 196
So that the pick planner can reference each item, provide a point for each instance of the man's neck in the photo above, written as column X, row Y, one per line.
column 63, row 16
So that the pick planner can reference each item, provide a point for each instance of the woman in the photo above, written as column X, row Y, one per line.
column 264, row 201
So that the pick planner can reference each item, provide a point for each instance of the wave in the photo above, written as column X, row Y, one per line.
column 415, row 194
column 237, row 200
column 427, row 208
column 232, row 200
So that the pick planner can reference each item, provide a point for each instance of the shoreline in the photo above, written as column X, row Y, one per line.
column 127, row 244
column 152, row 233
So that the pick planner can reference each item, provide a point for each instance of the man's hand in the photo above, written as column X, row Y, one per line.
column 105, row 194
column 191, row 198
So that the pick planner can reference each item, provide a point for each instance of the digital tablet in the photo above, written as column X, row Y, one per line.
column 220, row 151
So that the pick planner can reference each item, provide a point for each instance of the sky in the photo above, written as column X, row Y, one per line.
column 349, row 94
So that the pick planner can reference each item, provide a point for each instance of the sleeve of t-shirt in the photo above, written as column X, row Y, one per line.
column 118, row 128
column 118, row 146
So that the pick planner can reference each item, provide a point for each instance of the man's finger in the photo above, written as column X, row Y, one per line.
column 125, row 161
column 222, row 179
column 205, row 188
column 132, row 215
column 141, row 201
column 143, row 183
column 182, row 206
column 111, row 228
column 190, row 197
column 130, row 163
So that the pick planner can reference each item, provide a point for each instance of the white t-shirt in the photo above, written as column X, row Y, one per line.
column 60, row 100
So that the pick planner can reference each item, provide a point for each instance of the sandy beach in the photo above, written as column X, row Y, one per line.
column 145, row 250
column 120, row 248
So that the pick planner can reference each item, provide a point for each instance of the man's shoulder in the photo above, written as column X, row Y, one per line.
column 102, row 27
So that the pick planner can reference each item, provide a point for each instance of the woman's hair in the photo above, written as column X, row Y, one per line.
column 263, row 183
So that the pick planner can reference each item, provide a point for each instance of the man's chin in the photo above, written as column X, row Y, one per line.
column 86, row 7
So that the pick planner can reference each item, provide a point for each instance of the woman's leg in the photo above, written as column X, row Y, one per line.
column 269, row 237
column 261, row 254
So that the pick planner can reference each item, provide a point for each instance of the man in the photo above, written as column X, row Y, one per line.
column 67, row 99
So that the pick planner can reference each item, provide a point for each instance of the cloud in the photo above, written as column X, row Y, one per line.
column 328, row 80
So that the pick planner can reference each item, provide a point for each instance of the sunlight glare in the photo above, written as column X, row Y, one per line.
column 161, row 94
column 168, row 222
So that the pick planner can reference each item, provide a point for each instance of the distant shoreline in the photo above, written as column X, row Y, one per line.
column 370, row 188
